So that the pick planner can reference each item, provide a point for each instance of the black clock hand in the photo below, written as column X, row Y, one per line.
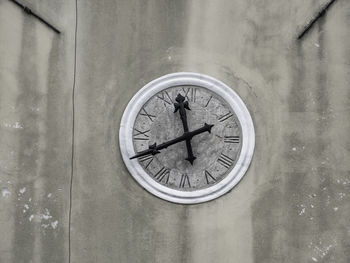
column 182, row 105
column 155, row 149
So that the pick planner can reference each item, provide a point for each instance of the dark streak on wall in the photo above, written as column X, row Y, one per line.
column 25, row 232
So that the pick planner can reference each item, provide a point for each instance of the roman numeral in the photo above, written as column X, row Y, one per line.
column 225, row 117
column 231, row 139
column 206, row 105
column 209, row 177
column 184, row 181
column 141, row 135
column 163, row 173
column 190, row 93
column 164, row 96
column 225, row 160
column 143, row 112
column 146, row 158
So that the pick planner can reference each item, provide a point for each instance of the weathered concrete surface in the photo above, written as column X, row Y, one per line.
column 293, row 203
column 292, row 206
column 36, row 80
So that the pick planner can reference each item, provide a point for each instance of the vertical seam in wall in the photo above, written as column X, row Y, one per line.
column 73, row 132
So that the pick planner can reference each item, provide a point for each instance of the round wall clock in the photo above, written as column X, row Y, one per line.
column 187, row 138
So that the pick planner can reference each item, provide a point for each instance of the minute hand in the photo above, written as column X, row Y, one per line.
column 155, row 149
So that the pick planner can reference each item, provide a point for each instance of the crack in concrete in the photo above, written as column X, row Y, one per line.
column 73, row 131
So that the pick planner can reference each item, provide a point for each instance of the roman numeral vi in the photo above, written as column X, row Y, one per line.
column 184, row 181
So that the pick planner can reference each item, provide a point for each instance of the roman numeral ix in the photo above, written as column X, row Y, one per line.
column 141, row 135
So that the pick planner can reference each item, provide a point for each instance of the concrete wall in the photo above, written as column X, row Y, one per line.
column 60, row 203
column 36, row 80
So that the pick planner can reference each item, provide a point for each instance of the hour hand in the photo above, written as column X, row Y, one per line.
column 182, row 105
column 185, row 104
column 190, row 156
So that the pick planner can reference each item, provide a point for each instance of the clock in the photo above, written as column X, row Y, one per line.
column 187, row 138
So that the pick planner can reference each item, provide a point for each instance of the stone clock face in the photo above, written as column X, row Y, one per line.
column 187, row 138
column 216, row 152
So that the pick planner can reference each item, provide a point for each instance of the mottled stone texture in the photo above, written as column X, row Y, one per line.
column 293, row 203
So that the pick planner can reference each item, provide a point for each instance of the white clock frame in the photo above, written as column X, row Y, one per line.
column 178, row 79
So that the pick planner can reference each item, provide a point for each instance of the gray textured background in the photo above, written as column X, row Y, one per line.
column 292, row 205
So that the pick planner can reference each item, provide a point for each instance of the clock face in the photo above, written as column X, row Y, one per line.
column 187, row 138
column 216, row 152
